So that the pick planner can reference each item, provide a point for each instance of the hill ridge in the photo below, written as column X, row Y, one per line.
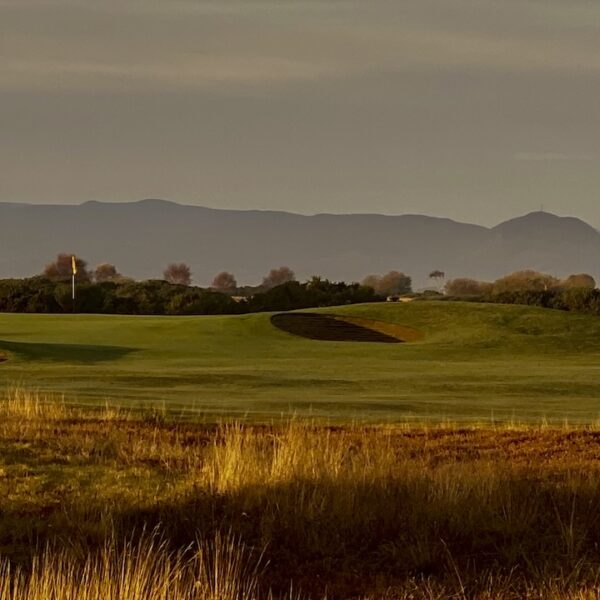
column 142, row 237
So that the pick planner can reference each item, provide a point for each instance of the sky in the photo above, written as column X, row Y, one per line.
column 477, row 110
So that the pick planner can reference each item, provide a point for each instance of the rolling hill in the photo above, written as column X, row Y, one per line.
column 142, row 237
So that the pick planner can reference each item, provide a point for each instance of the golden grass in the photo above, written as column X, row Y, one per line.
column 18, row 403
column 247, row 511
column 147, row 570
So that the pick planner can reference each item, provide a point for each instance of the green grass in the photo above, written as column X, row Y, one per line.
column 475, row 362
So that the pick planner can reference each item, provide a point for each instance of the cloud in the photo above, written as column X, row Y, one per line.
column 553, row 156
column 189, row 72
column 76, row 45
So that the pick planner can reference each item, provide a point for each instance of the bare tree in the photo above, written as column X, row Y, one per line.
column 224, row 282
column 278, row 277
column 62, row 268
column 178, row 273
column 106, row 272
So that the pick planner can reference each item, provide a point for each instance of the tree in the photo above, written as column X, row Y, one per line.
column 528, row 280
column 224, row 282
column 106, row 272
column 178, row 273
column 278, row 277
column 395, row 282
column 61, row 268
column 392, row 283
column 463, row 286
column 437, row 274
column 578, row 281
column 371, row 281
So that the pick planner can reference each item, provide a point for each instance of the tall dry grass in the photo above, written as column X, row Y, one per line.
column 146, row 570
column 409, row 512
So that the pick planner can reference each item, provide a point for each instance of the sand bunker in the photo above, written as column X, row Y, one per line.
column 336, row 328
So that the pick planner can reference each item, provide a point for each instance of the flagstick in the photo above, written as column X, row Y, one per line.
column 73, row 273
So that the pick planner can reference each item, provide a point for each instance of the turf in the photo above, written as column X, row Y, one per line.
column 473, row 362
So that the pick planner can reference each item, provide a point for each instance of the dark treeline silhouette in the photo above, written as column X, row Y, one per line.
column 104, row 290
column 159, row 297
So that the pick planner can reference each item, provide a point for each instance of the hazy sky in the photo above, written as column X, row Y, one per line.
column 474, row 109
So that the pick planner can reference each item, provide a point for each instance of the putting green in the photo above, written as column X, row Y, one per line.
column 466, row 361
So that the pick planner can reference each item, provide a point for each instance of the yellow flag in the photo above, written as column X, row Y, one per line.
column 73, row 265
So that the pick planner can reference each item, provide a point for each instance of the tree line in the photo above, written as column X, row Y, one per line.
column 576, row 292
column 104, row 289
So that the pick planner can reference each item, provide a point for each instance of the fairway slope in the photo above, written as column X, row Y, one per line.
column 465, row 361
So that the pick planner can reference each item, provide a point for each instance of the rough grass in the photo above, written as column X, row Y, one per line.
column 104, row 504
column 473, row 363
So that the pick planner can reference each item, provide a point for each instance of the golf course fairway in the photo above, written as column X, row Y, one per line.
column 465, row 362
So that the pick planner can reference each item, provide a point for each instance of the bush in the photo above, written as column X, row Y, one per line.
column 527, row 280
column 465, row 287
column 392, row 283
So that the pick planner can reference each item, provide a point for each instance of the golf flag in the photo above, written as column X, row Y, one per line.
column 73, row 265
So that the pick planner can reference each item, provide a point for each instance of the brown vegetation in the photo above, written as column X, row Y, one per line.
column 106, row 272
column 61, row 268
column 113, row 504
column 463, row 286
column 578, row 282
column 391, row 283
column 224, row 282
column 525, row 281
column 178, row 273
column 278, row 277
column 519, row 281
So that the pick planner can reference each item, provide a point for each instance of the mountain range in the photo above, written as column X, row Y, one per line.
column 141, row 238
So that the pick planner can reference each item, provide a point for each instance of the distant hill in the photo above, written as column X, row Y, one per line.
column 141, row 238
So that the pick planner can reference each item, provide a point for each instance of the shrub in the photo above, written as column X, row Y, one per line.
column 464, row 287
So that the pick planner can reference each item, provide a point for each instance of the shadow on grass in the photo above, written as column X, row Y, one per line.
column 353, row 538
column 71, row 353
